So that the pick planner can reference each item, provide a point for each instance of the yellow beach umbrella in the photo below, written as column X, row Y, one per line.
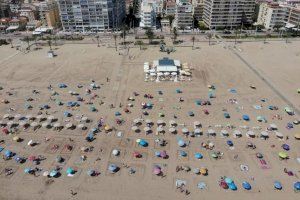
column 203, row 170
column 282, row 155
column 107, row 127
column 16, row 138
column 297, row 136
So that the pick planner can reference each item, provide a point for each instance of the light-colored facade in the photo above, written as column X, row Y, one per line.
column 227, row 13
column 184, row 15
column 198, row 9
column 91, row 15
column 294, row 16
column 272, row 14
column 148, row 16
column 49, row 13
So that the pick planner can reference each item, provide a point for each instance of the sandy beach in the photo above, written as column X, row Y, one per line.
column 118, row 77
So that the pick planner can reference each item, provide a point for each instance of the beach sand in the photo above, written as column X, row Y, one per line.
column 78, row 64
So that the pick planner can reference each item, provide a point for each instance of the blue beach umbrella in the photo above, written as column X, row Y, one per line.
column 182, row 153
column 91, row 172
column 28, row 170
column 232, row 186
column 181, row 143
column 228, row 180
column 198, row 156
column 246, row 185
column 277, row 185
column 229, row 143
column 143, row 143
column 113, row 168
column 226, row 115
column 8, row 153
column 53, row 173
column 70, row 170
column 297, row 186
column 67, row 114
column 246, row 117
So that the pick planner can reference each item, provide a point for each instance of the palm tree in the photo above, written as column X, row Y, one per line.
column 140, row 43
column 175, row 34
column 115, row 38
column 193, row 40
column 97, row 38
column 50, row 44
column 171, row 19
column 27, row 39
column 209, row 35
column 149, row 33
column 10, row 41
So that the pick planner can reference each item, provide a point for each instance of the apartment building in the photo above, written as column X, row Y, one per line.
column 147, row 15
column 49, row 13
column 272, row 14
column 228, row 13
column 183, row 15
column 170, row 7
column 198, row 8
column 91, row 15
column 294, row 16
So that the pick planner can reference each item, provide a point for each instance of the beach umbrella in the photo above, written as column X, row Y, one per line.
column 286, row 147
column 237, row 133
column 191, row 113
column 182, row 153
column 157, row 170
column 279, row 134
column 16, row 138
column 91, row 172
column 172, row 122
column 163, row 154
column 143, row 143
column 224, row 185
column 17, row 116
column 70, row 171
column 67, row 114
column 115, row 152
column 226, row 115
column 229, row 143
column 40, row 117
column 211, row 132
column 273, row 126
column 250, row 133
column 56, row 125
column 6, row 116
column 261, row 119
column 81, row 126
column 297, row 186
column 84, row 119
column 148, row 121
column 62, row 85
column 113, row 168
column 34, row 124
column 134, row 128
column 264, row 134
column 246, row 185
column 185, row 130
column 147, row 129
column 259, row 155
column 8, row 154
column 157, row 153
column 282, row 155
column 224, row 132
column 172, row 130
column 197, row 131
column 214, row 155
column 160, row 122
column 69, row 125
column 58, row 159
column 198, row 156
column 137, row 121
column 198, row 102
column 277, row 185
column 197, row 123
column 117, row 113
column 28, row 170
column 228, row 180
column 203, row 171
column 51, row 118
column 45, row 124
column 159, row 129
column 53, row 173
column 232, row 186
column 246, row 117
column 46, row 173
column 196, row 171
column 9, row 123
column 181, row 143
column 297, row 136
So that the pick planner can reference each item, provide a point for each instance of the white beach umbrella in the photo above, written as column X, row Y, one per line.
column 224, row 132
column 160, row 122
column 211, row 131
column 172, row 122
column 264, row 134
column 147, row 129
column 185, row 130
column 69, row 125
column 134, row 128
column 250, row 133
column 45, row 124
column 51, row 118
column 237, row 133
column 84, row 119
column 197, row 123
column 279, row 134
column 148, row 121
column 81, row 126
column 172, row 130
column 159, row 129
column 197, row 131
column 6, row 116
column 56, row 125
column 34, row 124
column 17, row 116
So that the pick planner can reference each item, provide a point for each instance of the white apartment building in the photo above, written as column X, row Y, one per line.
column 183, row 15
column 91, row 15
column 148, row 16
column 272, row 14
column 198, row 8
column 294, row 16
column 228, row 13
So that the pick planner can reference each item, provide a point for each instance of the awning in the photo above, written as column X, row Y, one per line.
column 289, row 25
column 12, row 28
column 166, row 69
